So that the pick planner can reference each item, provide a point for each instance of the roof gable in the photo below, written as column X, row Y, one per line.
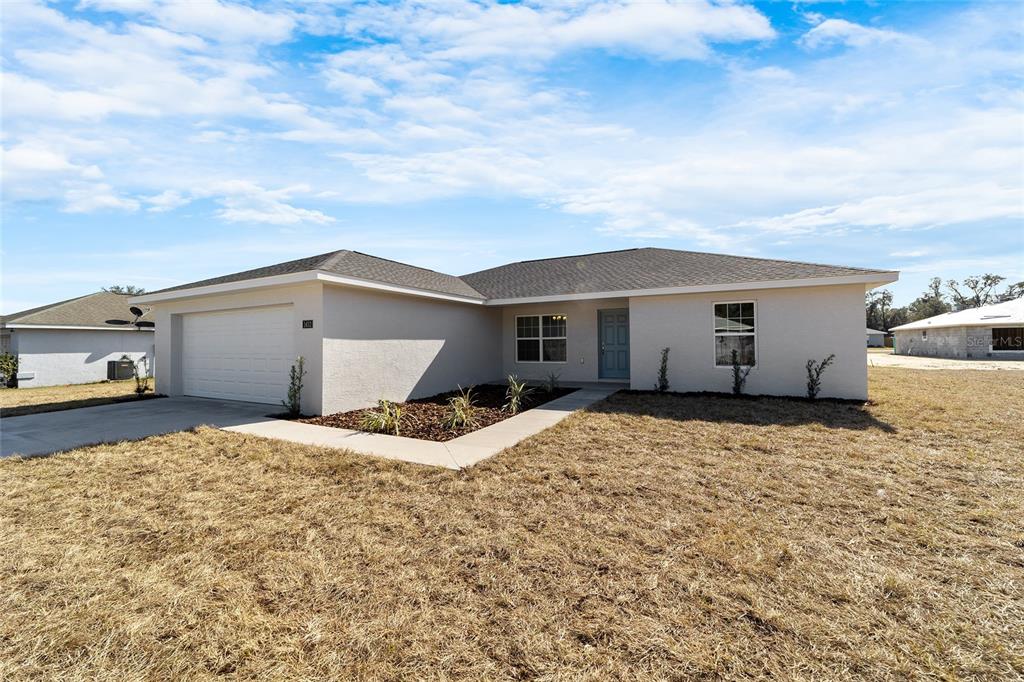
column 353, row 264
column 91, row 310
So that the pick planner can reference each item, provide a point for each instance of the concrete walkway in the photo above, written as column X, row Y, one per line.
column 48, row 432
column 457, row 453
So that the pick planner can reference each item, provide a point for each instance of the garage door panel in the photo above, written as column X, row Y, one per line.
column 238, row 354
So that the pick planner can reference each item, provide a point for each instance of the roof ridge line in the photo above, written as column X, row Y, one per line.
column 408, row 265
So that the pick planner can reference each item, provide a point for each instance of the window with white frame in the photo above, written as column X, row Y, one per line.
column 540, row 338
column 735, row 329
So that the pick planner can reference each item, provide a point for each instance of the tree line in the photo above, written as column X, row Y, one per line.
column 938, row 298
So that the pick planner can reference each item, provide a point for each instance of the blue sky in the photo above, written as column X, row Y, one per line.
column 154, row 143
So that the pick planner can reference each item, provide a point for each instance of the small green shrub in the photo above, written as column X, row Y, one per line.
column 739, row 373
column 662, row 386
column 517, row 390
column 294, row 401
column 387, row 418
column 551, row 382
column 9, row 370
column 462, row 410
column 141, row 377
column 814, row 372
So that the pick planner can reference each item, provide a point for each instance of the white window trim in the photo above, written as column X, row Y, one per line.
column 715, row 335
column 540, row 340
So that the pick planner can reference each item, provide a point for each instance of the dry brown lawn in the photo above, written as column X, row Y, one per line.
column 18, row 401
column 652, row 537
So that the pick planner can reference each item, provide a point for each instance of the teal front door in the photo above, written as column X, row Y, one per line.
column 613, row 326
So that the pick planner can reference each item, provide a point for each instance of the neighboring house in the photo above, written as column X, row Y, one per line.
column 371, row 328
column 70, row 342
column 876, row 339
column 991, row 331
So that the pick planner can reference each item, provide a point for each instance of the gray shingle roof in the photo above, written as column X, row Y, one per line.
column 353, row 264
column 644, row 268
column 92, row 310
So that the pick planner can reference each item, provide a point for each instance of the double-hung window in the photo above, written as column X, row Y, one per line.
column 540, row 338
column 735, row 329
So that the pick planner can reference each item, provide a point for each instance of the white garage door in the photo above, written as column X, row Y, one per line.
column 241, row 354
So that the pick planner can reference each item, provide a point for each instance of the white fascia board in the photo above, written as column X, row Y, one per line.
column 297, row 278
column 227, row 287
column 873, row 279
column 121, row 328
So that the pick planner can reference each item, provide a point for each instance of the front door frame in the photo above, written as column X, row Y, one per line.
column 600, row 344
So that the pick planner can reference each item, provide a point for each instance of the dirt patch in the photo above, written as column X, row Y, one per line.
column 424, row 418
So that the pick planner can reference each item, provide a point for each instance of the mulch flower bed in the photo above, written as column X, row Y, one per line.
column 424, row 418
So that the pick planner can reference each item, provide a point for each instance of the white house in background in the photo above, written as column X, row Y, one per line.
column 371, row 328
column 876, row 339
column 991, row 331
column 70, row 342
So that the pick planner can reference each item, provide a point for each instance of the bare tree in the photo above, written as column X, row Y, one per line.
column 976, row 291
column 127, row 289
column 931, row 303
column 878, row 304
column 1012, row 293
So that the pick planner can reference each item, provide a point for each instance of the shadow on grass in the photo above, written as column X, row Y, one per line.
column 749, row 410
column 22, row 410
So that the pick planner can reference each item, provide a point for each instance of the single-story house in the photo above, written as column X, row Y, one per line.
column 991, row 331
column 876, row 339
column 370, row 328
column 70, row 342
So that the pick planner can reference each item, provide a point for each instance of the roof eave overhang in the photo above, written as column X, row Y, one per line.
column 915, row 327
column 77, row 327
column 869, row 280
column 298, row 278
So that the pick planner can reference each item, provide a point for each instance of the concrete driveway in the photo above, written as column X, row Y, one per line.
column 879, row 358
column 42, row 434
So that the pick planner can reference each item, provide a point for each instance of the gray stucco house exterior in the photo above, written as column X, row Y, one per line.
column 371, row 328
column 70, row 342
column 991, row 331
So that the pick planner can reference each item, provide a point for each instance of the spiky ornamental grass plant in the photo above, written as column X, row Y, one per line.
column 141, row 378
column 662, row 386
column 551, row 382
column 517, row 391
column 387, row 418
column 739, row 373
column 294, row 402
column 462, row 410
column 814, row 372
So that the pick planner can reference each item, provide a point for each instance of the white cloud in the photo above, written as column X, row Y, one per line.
column 247, row 202
column 664, row 30
column 224, row 22
column 96, row 197
column 167, row 200
column 471, row 31
column 842, row 32
column 456, row 100
column 924, row 209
